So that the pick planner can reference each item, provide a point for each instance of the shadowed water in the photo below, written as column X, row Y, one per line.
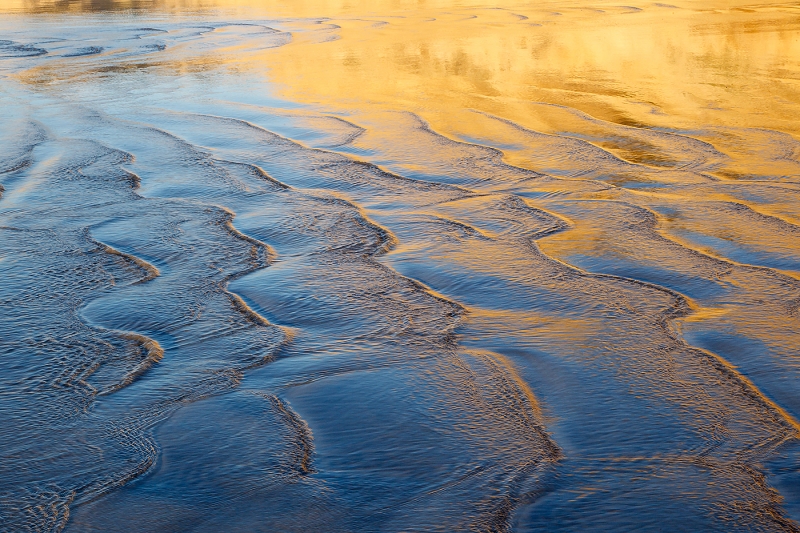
column 395, row 266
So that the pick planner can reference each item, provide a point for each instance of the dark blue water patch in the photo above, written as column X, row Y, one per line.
column 291, row 293
column 666, row 211
column 697, row 287
column 758, row 361
column 126, row 242
column 86, row 51
column 11, row 49
column 117, row 315
column 158, row 47
column 229, row 463
column 784, row 475
column 760, row 195
column 484, row 290
column 741, row 252
column 104, row 237
column 242, row 287
column 470, row 287
column 358, row 152
column 586, row 485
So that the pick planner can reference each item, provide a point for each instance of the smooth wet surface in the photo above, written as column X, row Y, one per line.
column 399, row 266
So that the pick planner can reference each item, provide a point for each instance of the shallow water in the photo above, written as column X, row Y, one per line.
column 399, row 266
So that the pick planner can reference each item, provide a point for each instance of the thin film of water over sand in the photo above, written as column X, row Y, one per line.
column 393, row 266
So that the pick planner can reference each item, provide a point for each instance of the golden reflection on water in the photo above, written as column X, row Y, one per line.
column 676, row 65
column 663, row 66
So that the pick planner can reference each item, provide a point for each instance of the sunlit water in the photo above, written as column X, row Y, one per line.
column 325, row 266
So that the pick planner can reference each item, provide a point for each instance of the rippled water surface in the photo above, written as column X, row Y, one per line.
column 328, row 266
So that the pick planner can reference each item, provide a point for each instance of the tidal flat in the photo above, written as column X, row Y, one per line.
column 399, row 266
